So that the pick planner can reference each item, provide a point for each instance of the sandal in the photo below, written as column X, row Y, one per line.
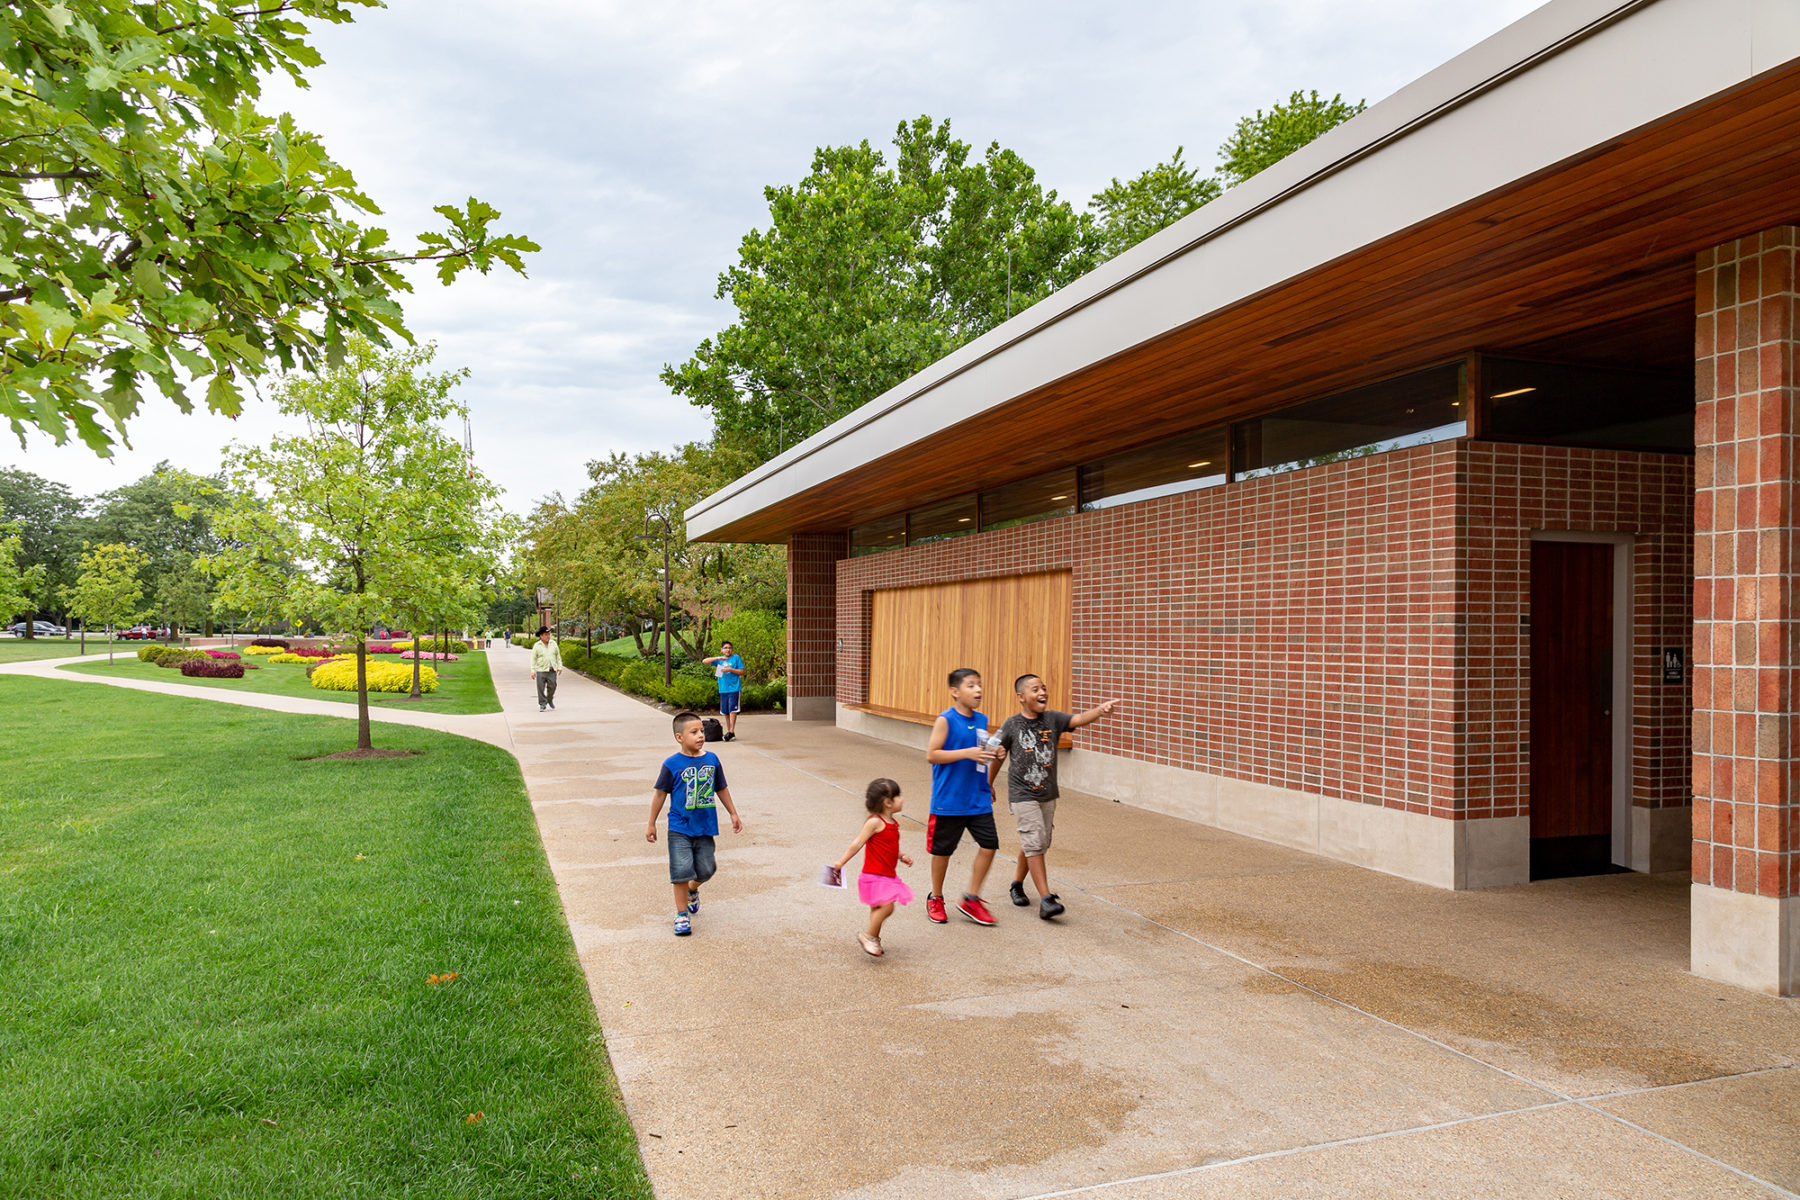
column 871, row 946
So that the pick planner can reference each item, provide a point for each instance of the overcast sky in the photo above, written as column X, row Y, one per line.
column 633, row 141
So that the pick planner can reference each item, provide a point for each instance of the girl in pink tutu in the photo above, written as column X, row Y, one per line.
column 879, row 886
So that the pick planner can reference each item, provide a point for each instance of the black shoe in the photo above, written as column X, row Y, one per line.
column 1049, row 907
column 1018, row 895
column 553, row 705
column 731, row 737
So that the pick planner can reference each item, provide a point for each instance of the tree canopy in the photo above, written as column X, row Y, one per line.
column 1260, row 141
column 108, row 591
column 870, row 271
column 1131, row 211
column 157, row 231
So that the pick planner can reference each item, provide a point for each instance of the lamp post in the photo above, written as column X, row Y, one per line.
column 668, row 671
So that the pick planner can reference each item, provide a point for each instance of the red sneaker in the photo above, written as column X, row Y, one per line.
column 934, row 908
column 975, row 910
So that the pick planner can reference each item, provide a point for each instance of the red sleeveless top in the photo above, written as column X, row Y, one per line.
column 882, row 851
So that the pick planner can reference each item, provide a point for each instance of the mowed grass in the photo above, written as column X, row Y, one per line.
column 214, row 962
column 26, row 649
column 464, row 686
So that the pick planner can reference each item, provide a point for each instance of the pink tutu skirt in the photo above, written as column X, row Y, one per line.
column 876, row 890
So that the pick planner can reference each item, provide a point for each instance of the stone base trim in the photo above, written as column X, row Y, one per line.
column 1750, row 941
column 811, row 708
column 1662, row 839
column 1494, row 852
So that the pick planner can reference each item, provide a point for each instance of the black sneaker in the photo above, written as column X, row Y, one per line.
column 1018, row 895
column 1049, row 907
column 731, row 737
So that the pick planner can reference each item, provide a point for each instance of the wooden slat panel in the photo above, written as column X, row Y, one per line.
column 1002, row 627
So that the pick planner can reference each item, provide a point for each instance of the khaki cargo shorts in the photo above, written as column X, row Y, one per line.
column 1037, row 819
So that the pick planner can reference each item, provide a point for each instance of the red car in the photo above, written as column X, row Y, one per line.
column 143, row 633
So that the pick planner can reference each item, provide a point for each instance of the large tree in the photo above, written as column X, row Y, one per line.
column 365, row 500
column 1260, row 141
column 158, row 232
column 108, row 591
column 19, row 581
column 1130, row 211
column 870, row 271
column 50, row 528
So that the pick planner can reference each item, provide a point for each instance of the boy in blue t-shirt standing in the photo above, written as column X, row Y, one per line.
column 961, row 796
column 691, row 780
column 728, row 669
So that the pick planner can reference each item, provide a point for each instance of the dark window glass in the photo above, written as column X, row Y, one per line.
column 952, row 518
column 1587, row 406
column 1412, row 410
column 889, row 533
column 1177, row 464
column 1051, row 495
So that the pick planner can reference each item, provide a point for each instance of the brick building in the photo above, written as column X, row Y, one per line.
column 1428, row 498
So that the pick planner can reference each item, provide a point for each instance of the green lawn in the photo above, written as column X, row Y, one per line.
column 464, row 686
column 624, row 647
column 23, row 649
column 214, row 958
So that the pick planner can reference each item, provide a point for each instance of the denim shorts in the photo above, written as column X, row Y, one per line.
column 690, row 858
column 728, row 702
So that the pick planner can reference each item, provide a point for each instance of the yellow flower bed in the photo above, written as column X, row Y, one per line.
column 287, row 657
column 261, row 650
column 339, row 675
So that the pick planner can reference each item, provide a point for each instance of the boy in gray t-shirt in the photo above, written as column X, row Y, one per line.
column 1028, row 743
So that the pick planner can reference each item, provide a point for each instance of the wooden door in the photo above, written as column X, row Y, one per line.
column 1571, row 708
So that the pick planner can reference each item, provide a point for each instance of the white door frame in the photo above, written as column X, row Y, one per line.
column 1622, row 711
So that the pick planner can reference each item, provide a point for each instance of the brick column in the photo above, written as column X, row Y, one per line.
column 812, row 625
column 1746, row 871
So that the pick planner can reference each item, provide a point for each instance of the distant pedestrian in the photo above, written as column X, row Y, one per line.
column 879, row 886
column 1028, row 742
column 693, row 782
column 728, row 668
column 546, row 665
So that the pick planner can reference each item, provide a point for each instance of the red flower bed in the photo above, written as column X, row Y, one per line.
column 212, row 668
column 224, row 654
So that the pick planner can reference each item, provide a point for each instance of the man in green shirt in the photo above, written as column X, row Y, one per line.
column 546, row 662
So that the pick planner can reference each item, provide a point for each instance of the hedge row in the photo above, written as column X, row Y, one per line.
column 644, row 677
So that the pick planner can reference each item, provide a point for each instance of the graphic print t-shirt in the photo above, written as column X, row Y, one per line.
column 693, row 784
column 1031, row 754
column 727, row 681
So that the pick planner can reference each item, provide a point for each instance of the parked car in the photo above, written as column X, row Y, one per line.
column 39, row 629
column 143, row 633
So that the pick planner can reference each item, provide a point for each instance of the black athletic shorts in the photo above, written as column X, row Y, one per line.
column 943, row 833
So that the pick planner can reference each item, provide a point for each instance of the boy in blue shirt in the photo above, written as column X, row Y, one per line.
column 691, row 780
column 961, row 796
column 728, row 669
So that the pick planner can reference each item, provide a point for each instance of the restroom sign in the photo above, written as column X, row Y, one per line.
column 1673, row 668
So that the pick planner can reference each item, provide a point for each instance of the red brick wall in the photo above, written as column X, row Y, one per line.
column 1308, row 630
column 812, row 613
column 1746, row 825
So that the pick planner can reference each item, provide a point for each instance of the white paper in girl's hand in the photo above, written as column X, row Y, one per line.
column 830, row 876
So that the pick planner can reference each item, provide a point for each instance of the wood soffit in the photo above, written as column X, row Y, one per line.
column 1590, row 260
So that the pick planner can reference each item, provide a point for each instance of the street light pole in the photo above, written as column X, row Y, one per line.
column 668, row 671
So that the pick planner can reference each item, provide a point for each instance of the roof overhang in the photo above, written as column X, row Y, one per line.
column 1559, row 176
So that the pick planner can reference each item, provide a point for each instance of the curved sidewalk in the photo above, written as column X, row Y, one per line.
column 1214, row 1016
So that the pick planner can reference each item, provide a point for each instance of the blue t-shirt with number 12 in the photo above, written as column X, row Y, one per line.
column 693, row 782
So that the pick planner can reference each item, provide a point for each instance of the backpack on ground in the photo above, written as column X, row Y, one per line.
column 715, row 732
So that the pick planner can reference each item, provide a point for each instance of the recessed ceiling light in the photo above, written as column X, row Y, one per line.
column 1514, row 392
column 961, row 520
column 1059, row 497
column 1205, row 462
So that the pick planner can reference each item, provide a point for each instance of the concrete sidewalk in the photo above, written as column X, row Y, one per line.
column 1214, row 1016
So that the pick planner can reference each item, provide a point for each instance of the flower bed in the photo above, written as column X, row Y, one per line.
column 339, row 675
column 426, row 656
column 211, row 668
column 227, row 655
column 274, row 643
column 259, row 648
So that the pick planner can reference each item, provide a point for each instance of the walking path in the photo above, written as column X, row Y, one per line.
column 1214, row 1016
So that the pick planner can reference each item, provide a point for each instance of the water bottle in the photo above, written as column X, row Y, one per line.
column 993, row 743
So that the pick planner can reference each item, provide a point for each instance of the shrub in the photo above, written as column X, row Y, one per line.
column 150, row 654
column 434, row 644
column 275, row 643
column 339, row 675
column 259, row 648
column 212, row 668
column 523, row 639
column 759, row 637
column 224, row 654
column 174, row 656
column 290, row 657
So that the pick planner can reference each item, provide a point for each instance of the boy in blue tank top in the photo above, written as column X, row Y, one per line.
column 961, row 796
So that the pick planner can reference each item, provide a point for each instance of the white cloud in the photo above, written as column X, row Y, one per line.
column 633, row 141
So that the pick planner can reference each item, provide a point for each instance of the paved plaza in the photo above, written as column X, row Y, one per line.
column 1214, row 1016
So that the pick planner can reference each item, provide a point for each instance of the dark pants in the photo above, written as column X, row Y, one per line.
column 546, row 688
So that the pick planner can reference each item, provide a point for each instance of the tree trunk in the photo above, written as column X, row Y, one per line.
column 416, row 694
column 363, row 741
